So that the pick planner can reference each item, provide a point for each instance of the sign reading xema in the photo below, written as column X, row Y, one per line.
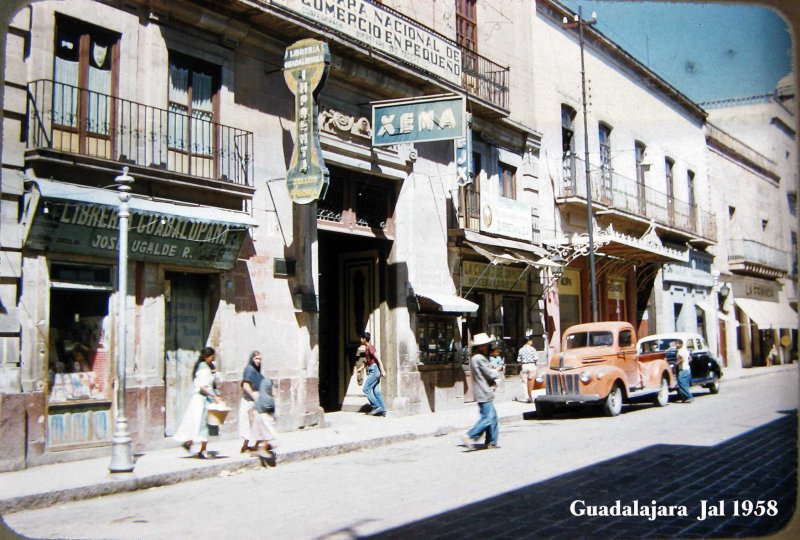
column 305, row 68
column 434, row 118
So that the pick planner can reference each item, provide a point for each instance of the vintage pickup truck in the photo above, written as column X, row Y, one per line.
column 598, row 365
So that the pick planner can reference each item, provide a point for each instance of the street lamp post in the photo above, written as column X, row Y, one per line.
column 579, row 22
column 121, row 455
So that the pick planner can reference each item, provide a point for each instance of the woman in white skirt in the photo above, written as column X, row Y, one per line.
column 193, row 427
column 251, row 380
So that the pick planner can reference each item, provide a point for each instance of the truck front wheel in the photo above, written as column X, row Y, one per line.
column 612, row 406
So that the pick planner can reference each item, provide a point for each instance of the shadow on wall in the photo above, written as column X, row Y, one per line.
column 740, row 469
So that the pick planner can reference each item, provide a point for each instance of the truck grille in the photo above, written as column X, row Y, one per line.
column 562, row 384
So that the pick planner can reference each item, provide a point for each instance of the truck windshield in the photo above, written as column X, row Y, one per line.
column 590, row 339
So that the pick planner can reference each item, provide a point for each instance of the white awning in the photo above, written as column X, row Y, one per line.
column 768, row 315
column 503, row 251
column 50, row 189
column 449, row 303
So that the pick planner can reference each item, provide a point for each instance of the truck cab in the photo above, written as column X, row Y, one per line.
column 599, row 365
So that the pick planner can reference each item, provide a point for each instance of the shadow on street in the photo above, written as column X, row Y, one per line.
column 760, row 465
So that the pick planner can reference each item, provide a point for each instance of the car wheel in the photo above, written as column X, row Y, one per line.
column 662, row 398
column 713, row 386
column 544, row 410
column 612, row 406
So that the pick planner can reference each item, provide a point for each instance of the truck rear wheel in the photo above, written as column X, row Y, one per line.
column 662, row 398
column 612, row 406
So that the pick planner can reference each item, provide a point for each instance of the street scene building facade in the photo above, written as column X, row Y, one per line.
column 449, row 154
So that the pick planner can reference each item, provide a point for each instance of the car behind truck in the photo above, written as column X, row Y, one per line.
column 599, row 365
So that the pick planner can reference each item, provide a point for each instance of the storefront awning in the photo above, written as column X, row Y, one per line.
column 768, row 315
column 447, row 303
column 504, row 251
column 69, row 218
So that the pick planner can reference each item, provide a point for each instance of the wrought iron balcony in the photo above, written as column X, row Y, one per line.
column 755, row 258
column 617, row 192
column 74, row 120
column 484, row 79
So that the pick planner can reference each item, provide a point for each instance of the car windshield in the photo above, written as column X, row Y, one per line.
column 657, row 345
column 589, row 339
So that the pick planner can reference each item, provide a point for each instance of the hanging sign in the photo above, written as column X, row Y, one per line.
column 305, row 68
column 433, row 118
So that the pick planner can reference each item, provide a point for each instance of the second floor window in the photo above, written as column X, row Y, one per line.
column 193, row 88
column 84, row 75
column 508, row 180
column 669, row 167
column 639, row 150
column 568, row 146
column 467, row 24
column 604, row 134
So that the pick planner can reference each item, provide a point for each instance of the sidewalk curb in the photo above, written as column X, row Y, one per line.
column 129, row 482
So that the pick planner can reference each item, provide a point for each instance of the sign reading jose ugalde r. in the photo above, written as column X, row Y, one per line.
column 305, row 68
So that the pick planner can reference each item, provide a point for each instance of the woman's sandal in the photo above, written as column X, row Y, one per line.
column 187, row 446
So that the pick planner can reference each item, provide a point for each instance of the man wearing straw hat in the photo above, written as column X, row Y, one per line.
column 483, row 385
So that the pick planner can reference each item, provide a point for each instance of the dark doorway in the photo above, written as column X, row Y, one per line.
column 351, row 282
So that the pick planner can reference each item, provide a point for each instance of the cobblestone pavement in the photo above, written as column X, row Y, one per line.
column 760, row 465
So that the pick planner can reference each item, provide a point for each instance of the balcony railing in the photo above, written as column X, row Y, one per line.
column 78, row 121
column 618, row 192
column 755, row 257
column 484, row 79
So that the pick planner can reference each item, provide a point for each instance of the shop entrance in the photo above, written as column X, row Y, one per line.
column 187, row 326
column 350, row 295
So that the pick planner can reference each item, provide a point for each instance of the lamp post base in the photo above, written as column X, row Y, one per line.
column 121, row 454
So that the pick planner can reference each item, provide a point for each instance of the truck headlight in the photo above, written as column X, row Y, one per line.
column 586, row 377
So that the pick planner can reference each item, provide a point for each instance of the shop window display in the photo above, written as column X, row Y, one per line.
column 79, row 366
column 436, row 339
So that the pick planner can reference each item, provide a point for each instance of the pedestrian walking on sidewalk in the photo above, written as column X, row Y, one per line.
column 251, row 380
column 528, row 358
column 683, row 367
column 263, row 421
column 193, row 427
column 375, row 371
column 484, row 378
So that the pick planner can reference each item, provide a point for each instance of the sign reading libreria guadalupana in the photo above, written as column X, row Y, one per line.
column 305, row 68
column 385, row 31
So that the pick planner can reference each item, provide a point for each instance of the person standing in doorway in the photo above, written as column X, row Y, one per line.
column 193, row 427
column 484, row 378
column 251, row 381
column 375, row 371
column 683, row 367
column 527, row 358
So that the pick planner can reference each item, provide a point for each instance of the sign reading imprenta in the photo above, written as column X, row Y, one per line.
column 429, row 118
column 305, row 68
column 386, row 31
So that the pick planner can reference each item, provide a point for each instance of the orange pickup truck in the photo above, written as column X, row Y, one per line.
column 598, row 365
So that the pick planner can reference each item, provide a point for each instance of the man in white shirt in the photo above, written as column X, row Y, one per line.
column 684, row 370
column 527, row 358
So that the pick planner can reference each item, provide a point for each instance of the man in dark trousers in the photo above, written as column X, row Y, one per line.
column 484, row 378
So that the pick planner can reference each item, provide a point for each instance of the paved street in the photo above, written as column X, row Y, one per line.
column 734, row 449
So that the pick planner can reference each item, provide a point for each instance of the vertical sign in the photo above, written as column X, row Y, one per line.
column 305, row 68
column 465, row 170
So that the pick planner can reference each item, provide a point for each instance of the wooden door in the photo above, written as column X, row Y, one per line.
column 187, row 325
